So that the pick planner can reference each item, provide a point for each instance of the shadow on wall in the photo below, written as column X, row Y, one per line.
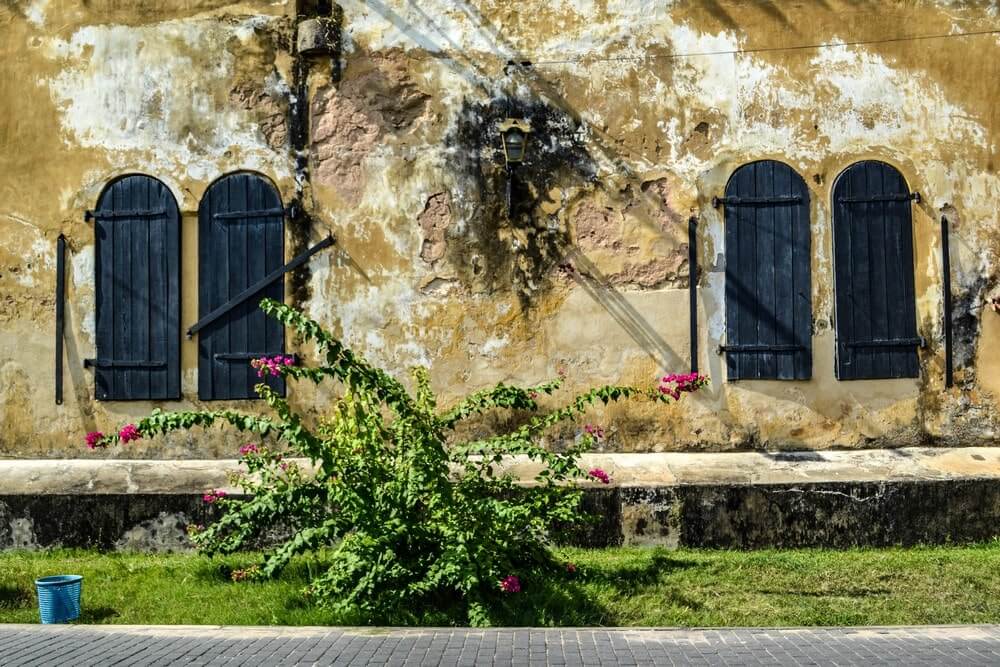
column 523, row 251
column 624, row 313
column 511, row 240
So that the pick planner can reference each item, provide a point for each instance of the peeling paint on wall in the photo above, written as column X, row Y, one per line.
column 639, row 113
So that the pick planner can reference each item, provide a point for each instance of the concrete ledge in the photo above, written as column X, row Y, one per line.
column 124, row 476
column 742, row 500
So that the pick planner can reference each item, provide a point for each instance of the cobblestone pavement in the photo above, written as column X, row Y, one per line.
column 210, row 645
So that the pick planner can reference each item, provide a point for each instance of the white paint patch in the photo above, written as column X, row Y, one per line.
column 83, row 267
column 39, row 256
column 492, row 346
column 35, row 12
column 374, row 314
column 145, row 95
column 83, row 286
column 879, row 105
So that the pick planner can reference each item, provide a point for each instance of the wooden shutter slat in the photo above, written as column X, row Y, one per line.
column 731, row 217
column 861, row 274
column 902, row 213
column 274, row 259
column 801, row 232
column 784, row 279
column 241, row 222
column 768, row 299
column 766, row 366
column 877, row 275
column 141, row 307
column 747, row 284
column 138, row 287
column 873, row 258
column 237, row 234
column 220, row 260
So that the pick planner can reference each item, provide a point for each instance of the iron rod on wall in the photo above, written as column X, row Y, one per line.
column 60, row 314
column 693, row 288
column 258, row 286
column 949, row 372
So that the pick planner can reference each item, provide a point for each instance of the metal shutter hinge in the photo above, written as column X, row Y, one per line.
column 754, row 201
column 116, row 363
column 874, row 199
column 112, row 215
column 759, row 348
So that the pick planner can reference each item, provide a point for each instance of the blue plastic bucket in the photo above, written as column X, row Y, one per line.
column 59, row 597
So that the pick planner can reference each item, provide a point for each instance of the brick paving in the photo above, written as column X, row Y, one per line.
column 79, row 645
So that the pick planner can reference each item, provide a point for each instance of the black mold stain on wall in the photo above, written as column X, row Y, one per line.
column 300, row 222
column 967, row 311
column 514, row 247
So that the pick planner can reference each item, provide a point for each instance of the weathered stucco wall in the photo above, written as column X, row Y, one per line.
column 589, row 270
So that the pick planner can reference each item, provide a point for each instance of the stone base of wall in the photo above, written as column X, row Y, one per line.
column 745, row 501
column 834, row 515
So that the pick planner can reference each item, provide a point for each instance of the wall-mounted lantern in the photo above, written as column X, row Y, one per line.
column 514, row 132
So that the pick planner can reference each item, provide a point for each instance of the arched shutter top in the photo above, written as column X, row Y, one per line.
column 768, row 285
column 137, row 265
column 873, row 264
column 241, row 240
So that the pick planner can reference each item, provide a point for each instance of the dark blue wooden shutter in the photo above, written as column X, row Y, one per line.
column 137, row 256
column 873, row 261
column 768, row 287
column 241, row 235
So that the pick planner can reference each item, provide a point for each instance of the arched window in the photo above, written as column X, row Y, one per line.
column 873, row 262
column 768, row 288
column 137, row 266
column 241, row 237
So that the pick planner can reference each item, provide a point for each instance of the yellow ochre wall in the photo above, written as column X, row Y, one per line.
column 642, row 110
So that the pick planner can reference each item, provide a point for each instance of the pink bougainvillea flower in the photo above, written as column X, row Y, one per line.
column 271, row 365
column 94, row 439
column 594, row 430
column 249, row 448
column 214, row 495
column 600, row 475
column 510, row 584
column 674, row 384
column 128, row 433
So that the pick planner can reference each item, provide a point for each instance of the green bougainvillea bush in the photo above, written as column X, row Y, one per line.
column 407, row 517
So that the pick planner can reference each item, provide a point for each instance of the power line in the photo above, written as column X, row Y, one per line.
column 765, row 49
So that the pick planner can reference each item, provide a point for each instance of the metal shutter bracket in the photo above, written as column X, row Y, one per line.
column 264, row 213
column 920, row 341
column 759, row 348
column 753, row 201
column 114, row 215
column 249, row 356
column 874, row 199
column 258, row 286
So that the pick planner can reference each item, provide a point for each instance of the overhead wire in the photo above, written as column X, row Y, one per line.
column 763, row 49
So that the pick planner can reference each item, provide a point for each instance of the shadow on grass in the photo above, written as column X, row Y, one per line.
column 548, row 598
column 16, row 596
column 833, row 593
column 567, row 600
column 221, row 572
column 96, row 614
column 629, row 578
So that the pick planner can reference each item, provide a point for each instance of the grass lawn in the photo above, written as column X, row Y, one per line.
column 627, row 586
